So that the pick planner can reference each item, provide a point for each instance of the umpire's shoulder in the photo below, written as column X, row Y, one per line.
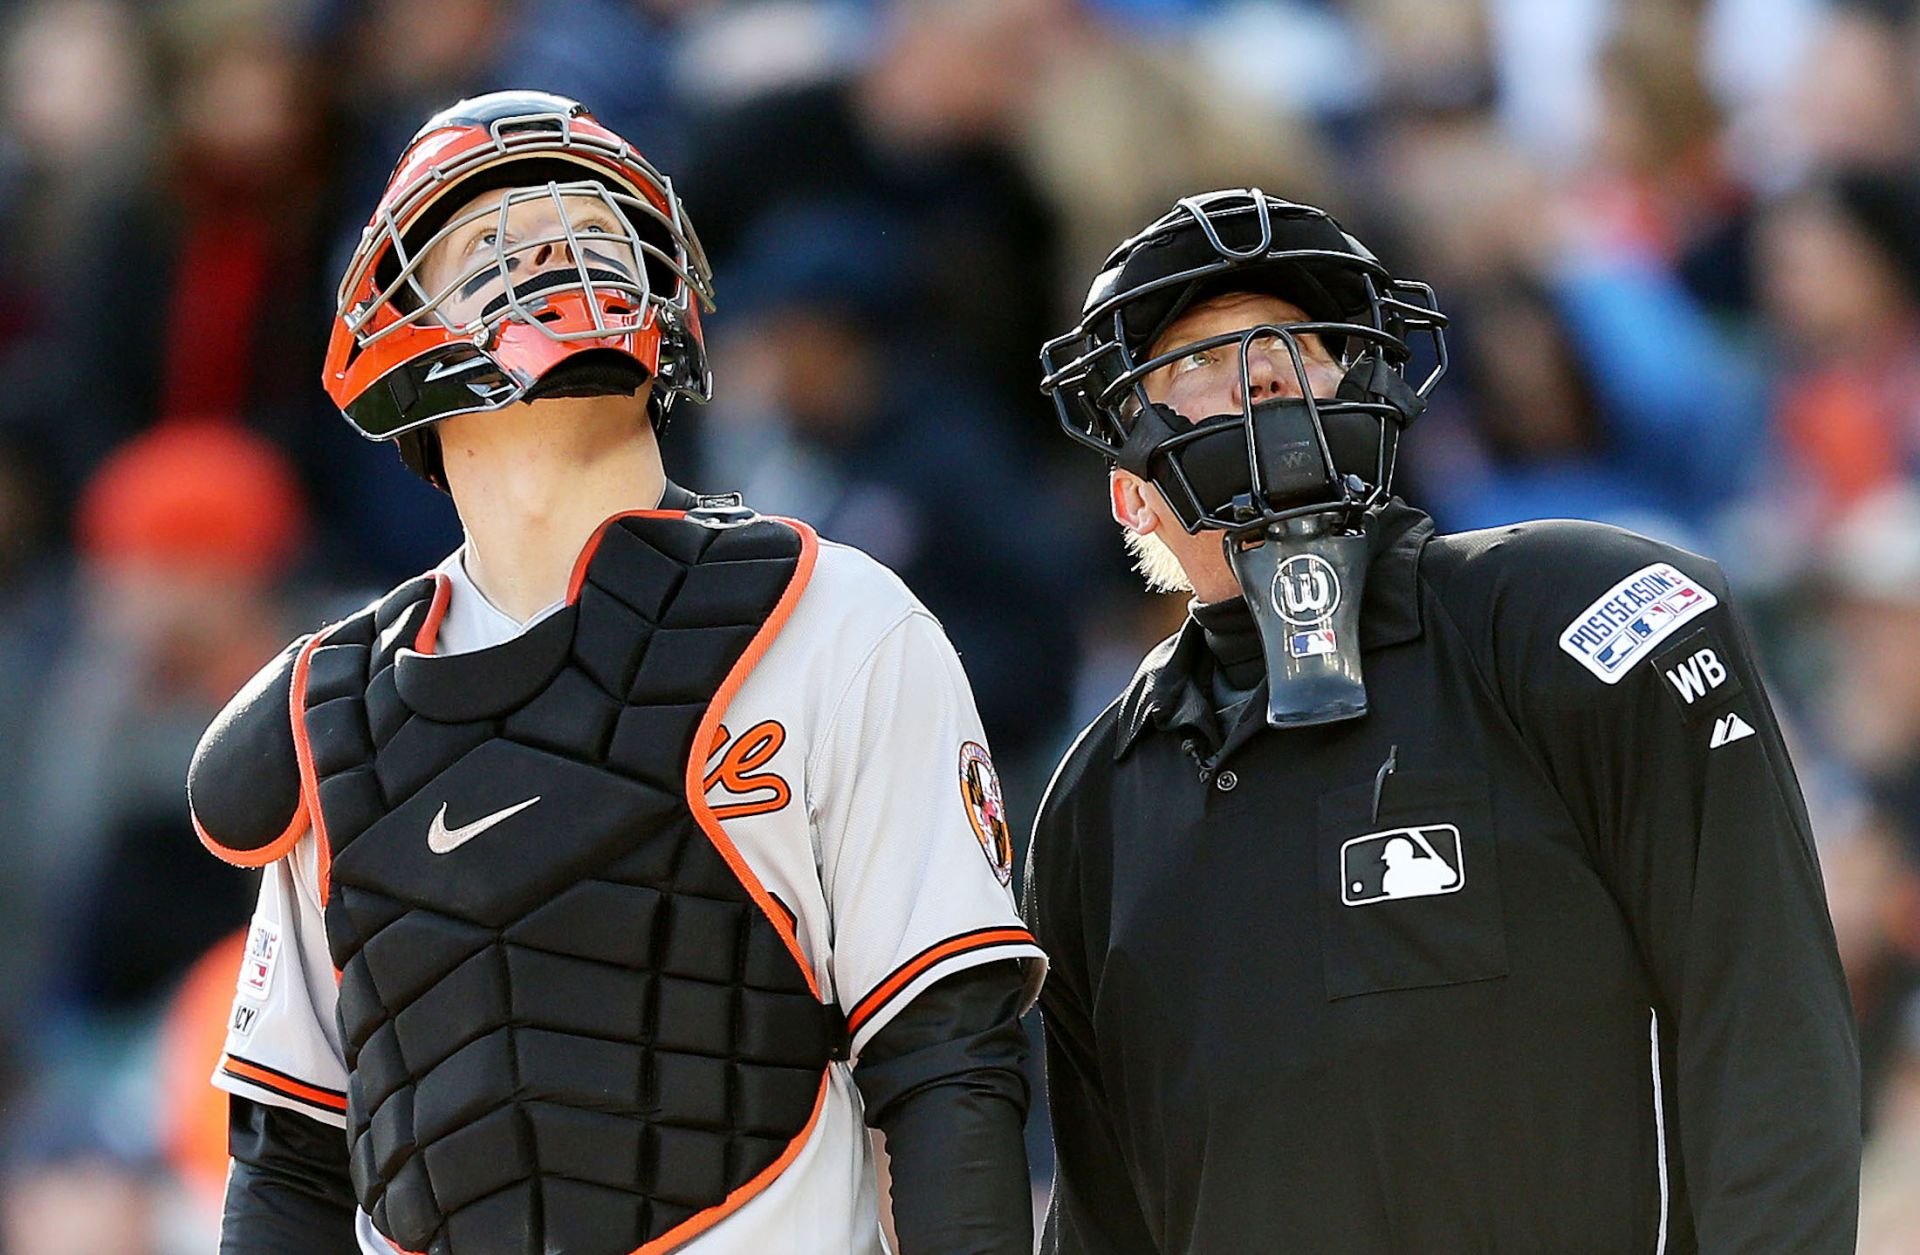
column 1568, row 603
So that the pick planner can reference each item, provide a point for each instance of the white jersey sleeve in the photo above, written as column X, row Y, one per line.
column 915, row 850
column 283, row 1039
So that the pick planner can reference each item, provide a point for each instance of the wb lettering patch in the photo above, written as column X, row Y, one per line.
column 1697, row 675
column 1417, row 862
column 1628, row 623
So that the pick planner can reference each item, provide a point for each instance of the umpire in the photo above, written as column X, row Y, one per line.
column 1422, row 893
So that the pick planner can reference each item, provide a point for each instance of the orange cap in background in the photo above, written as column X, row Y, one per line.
column 204, row 493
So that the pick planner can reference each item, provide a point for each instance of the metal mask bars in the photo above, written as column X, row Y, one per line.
column 1246, row 240
column 623, row 290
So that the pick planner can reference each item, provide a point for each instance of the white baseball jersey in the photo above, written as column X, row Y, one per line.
column 854, row 779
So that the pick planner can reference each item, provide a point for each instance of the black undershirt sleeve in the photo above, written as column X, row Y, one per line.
column 945, row 1080
column 288, row 1192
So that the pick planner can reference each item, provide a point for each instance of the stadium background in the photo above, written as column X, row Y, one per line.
column 1681, row 240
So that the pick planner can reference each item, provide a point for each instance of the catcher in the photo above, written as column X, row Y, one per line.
column 617, row 869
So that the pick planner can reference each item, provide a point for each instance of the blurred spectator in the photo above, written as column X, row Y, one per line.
column 76, row 133
column 83, row 1205
column 833, row 414
column 1116, row 131
column 1841, row 261
column 1861, row 107
column 187, row 534
column 922, row 132
column 1873, row 705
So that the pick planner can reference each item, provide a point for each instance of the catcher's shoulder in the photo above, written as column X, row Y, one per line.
column 243, row 785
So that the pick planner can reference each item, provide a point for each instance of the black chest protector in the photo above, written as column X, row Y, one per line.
column 574, row 1021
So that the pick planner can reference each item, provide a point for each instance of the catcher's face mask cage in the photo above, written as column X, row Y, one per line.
column 1275, row 459
column 588, row 251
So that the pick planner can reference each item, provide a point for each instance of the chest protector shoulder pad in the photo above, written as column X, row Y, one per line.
column 573, row 1018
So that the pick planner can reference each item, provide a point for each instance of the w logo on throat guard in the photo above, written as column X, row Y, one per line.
column 1306, row 590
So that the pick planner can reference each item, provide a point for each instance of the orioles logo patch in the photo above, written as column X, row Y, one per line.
column 986, row 809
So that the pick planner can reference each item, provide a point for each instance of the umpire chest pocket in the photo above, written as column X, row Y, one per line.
column 1410, row 897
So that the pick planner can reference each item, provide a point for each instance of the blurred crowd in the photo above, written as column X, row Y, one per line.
column 1680, row 240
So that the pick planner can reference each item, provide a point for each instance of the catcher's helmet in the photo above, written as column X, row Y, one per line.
column 1276, row 459
column 622, row 311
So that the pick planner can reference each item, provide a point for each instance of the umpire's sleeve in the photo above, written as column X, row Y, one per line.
column 1094, row 1209
column 288, row 1191
column 1648, row 710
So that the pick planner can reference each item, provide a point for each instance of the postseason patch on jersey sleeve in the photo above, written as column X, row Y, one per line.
column 1629, row 621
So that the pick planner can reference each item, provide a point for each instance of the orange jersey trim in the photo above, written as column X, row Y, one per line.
column 904, row 975
column 700, row 1222
column 429, row 633
column 303, row 755
column 280, row 1083
column 709, row 727
column 695, row 780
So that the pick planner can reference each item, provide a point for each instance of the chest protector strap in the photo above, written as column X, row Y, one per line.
column 574, row 1019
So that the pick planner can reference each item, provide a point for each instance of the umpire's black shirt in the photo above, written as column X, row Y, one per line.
column 1532, row 958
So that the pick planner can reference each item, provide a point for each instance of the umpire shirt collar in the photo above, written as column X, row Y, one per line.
column 1171, row 689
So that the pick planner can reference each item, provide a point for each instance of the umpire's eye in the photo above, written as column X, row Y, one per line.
column 1199, row 359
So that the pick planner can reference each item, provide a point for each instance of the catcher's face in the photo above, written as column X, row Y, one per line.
column 1207, row 381
column 516, row 234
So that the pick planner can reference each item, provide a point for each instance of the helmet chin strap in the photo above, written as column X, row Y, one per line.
column 1303, row 579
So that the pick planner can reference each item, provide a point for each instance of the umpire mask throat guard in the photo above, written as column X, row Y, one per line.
column 1288, row 479
column 580, row 275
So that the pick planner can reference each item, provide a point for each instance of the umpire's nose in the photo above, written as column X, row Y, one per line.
column 1270, row 371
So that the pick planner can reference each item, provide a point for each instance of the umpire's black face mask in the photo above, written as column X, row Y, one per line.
column 1302, row 578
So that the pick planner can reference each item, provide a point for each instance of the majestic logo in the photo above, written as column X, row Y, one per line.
column 1417, row 862
column 444, row 840
column 1306, row 590
column 263, row 955
column 738, row 771
column 986, row 809
column 1622, row 627
column 1727, row 729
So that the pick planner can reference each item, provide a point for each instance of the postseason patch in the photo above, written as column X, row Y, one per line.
column 263, row 953
column 986, row 810
column 1632, row 618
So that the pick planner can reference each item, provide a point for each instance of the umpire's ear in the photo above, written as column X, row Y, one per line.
column 1137, row 505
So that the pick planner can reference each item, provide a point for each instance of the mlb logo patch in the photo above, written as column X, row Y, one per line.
column 1418, row 862
column 263, row 952
column 1312, row 644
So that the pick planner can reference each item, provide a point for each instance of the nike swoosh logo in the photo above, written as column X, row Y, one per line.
column 444, row 840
